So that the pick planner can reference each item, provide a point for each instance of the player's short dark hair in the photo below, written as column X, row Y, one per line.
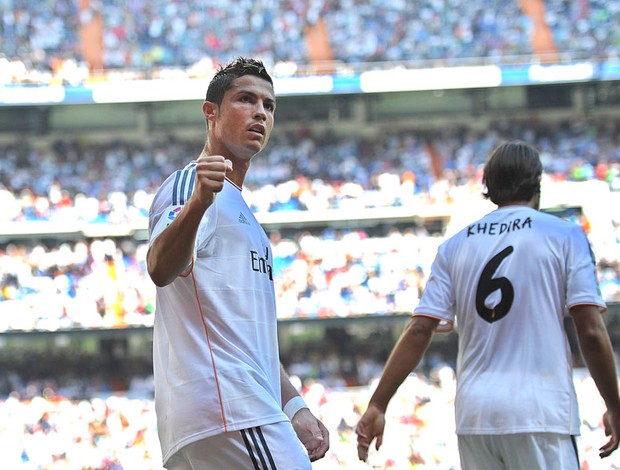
column 512, row 173
column 226, row 75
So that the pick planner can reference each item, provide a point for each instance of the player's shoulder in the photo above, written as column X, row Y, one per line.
column 176, row 188
column 555, row 221
column 556, row 227
column 178, row 181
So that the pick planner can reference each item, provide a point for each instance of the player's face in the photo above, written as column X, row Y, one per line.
column 240, row 127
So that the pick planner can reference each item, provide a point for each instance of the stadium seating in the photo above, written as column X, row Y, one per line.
column 73, row 214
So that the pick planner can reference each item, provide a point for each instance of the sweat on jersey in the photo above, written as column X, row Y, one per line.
column 505, row 281
column 215, row 346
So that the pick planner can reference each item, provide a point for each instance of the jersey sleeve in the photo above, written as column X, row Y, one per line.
column 169, row 202
column 437, row 299
column 582, row 283
column 163, row 209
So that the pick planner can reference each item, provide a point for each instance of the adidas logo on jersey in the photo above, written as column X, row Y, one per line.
column 242, row 219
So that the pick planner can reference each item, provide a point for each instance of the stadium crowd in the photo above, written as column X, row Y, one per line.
column 102, row 282
column 111, row 431
column 85, row 422
column 41, row 42
column 115, row 182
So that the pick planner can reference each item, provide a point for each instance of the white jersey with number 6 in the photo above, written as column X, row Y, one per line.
column 505, row 282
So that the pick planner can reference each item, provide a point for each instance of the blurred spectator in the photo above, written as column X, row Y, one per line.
column 42, row 42
column 114, row 183
column 44, row 428
column 95, row 285
column 319, row 273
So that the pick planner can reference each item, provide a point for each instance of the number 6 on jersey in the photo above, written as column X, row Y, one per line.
column 487, row 284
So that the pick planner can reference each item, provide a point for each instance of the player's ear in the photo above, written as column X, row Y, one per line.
column 209, row 110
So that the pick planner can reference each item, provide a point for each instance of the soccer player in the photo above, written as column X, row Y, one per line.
column 506, row 281
column 222, row 398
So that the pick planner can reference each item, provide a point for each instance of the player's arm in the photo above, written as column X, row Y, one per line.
column 310, row 430
column 404, row 358
column 598, row 354
column 171, row 252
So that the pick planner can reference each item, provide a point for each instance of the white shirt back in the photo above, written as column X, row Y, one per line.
column 506, row 281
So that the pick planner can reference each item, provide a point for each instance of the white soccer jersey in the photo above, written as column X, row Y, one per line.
column 513, row 273
column 215, row 346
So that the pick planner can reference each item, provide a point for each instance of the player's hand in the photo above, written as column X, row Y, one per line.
column 211, row 172
column 611, row 421
column 370, row 426
column 312, row 434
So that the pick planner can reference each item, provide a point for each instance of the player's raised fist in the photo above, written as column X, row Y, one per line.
column 211, row 172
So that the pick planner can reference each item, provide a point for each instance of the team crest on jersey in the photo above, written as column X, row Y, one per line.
column 173, row 213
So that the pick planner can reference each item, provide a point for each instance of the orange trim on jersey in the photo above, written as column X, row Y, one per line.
column 447, row 327
column 601, row 308
column 191, row 270
column 204, row 324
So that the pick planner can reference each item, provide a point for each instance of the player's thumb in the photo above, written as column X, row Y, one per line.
column 229, row 165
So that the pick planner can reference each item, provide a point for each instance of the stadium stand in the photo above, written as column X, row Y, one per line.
column 103, row 283
column 76, row 304
column 72, row 42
